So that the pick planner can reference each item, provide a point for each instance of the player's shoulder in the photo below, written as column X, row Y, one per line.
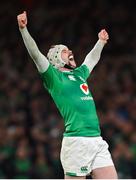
column 51, row 69
column 82, row 67
column 82, row 71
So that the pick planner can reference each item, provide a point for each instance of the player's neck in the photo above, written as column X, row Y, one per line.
column 64, row 69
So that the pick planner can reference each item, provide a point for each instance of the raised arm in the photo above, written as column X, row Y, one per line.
column 39, row 59
column 93, row 56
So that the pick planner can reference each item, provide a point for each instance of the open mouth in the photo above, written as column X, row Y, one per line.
column 72, row 63
column 71, row 57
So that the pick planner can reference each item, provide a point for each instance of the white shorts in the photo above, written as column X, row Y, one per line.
column 80, row 155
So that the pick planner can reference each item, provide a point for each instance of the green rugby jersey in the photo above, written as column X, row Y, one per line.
column 72, row 97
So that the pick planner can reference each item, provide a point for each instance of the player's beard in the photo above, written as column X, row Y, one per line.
column 68, row 67
column 71, row 64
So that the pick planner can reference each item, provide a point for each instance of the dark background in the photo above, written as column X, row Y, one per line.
column 30, row 125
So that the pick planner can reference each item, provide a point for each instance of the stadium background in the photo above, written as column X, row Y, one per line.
column 30, row 126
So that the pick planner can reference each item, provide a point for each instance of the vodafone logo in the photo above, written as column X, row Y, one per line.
column 84, row 88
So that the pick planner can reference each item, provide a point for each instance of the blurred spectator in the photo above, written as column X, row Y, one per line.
column 30, row 126
column 22, row 162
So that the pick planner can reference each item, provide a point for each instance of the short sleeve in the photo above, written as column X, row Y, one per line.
column 82, row 71
column 51, row 78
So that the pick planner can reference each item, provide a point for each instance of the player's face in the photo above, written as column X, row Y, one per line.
column 68, row 57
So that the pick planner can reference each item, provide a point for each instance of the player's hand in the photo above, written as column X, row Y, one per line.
column 103, row 35
column 22, row 20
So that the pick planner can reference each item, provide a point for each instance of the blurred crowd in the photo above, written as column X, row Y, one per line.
column 31, row 128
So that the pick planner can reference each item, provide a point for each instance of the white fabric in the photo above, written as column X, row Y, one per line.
column 42, row 62
column 39, row 59
column 80, row 155
column 54, row 56
column 93, row 56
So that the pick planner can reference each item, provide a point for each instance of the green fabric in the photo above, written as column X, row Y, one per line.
column 7, row 150
column 133, row 150
column 71, row 174
column 22, row 165
column 73, row 99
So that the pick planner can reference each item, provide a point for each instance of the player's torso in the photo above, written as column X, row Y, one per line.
column 76, row 92
column 71, row 94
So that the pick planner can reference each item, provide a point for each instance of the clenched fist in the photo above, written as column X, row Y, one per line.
column 22, row 20
column 103, row 35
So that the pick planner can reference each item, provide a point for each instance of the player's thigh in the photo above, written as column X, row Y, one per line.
column 108, row 172
column 75, row 177
column 77, row 155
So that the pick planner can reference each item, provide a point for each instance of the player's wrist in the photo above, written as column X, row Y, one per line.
column 22, row 28
column 103, row 41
